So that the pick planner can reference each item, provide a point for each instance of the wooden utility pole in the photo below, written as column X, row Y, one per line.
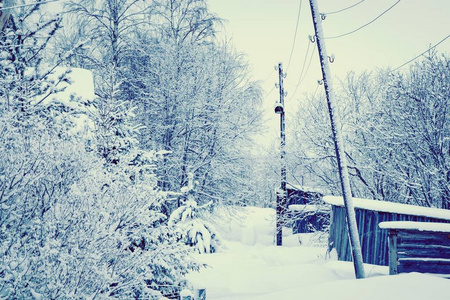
column 338, row 143
column 281, row 194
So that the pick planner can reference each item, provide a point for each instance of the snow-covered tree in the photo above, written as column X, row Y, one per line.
column 203, row 111
column 194, row 231
column 395, row 127
column 69, row 226
column 416, row 113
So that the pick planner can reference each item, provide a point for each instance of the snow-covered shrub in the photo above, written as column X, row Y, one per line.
column 71, row 229
column 71, row 225
column 194, row 231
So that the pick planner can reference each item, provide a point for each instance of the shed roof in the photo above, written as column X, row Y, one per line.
column 303, row 188
column 391, row 207
column 421, row 226
column 309, row 208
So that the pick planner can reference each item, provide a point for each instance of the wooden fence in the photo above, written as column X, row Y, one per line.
column 369, row 213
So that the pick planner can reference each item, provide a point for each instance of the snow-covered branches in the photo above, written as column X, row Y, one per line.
column 397, row 129
column 194, row 231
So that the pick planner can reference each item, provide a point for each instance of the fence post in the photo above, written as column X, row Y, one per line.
column 393, row 261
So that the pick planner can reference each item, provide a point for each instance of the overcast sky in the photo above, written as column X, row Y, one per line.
column 264, row 30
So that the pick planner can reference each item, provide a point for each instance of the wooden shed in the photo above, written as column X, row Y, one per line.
column 307, row 211
column 299, row 194
column 309, row 218
column 369, row 213
column 418, row 247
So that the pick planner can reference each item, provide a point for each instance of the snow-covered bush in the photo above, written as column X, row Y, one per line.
column 69, row 228
column 194, row 231
column 75, row 222
column 70, row 225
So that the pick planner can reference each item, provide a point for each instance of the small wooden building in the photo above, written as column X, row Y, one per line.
column 309, row 218
column 298, row 194
column 369, row 213
column 307, row 211
column 418, row 247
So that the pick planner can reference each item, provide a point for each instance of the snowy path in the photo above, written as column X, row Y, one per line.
column 251, row 268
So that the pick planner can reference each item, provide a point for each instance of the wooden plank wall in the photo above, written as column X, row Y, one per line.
column 419, row 251
column 310, row 222
column 374, row 241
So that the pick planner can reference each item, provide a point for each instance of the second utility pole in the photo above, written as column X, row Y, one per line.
column 281, row 194
column 338, row 143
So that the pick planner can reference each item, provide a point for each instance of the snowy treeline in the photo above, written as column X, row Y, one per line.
column 191, row 93
column 85, row 184
column 397, row 129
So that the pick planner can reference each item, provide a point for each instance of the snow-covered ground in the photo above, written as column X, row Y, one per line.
column 250, row 267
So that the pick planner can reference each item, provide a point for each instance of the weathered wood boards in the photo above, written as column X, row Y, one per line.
column 369, row 213
column 415, row 248
column 309, row 218
column 307, row 211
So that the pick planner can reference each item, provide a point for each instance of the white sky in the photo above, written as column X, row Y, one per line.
column 264, row 30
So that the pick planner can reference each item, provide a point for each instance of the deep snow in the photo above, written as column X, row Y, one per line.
column 250, row 267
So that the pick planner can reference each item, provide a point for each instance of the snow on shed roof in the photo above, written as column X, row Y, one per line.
column 309, row 208
column 421, row 226
column 391, row 207
column 303, row 188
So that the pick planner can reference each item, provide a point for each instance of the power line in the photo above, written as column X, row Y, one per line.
column 413, row 59
column 367, row 24
column 341, row 10
column 268, row 106
column 270, row 92
column 267, row 78
column 29, row 4
column 295, row 34
column 315, row 91
column 304, row 64
column 300, row 80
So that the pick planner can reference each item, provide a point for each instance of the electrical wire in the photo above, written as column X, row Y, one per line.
column 309, row 64
column 304, row 64
column 300, row 80
column 367, row 24
column 270, row 92
column 344, row 9
column 413, row 59
column 268, row 106
column 315, row 91
column 29, row 4
column 267, row 78
column 295, row 34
